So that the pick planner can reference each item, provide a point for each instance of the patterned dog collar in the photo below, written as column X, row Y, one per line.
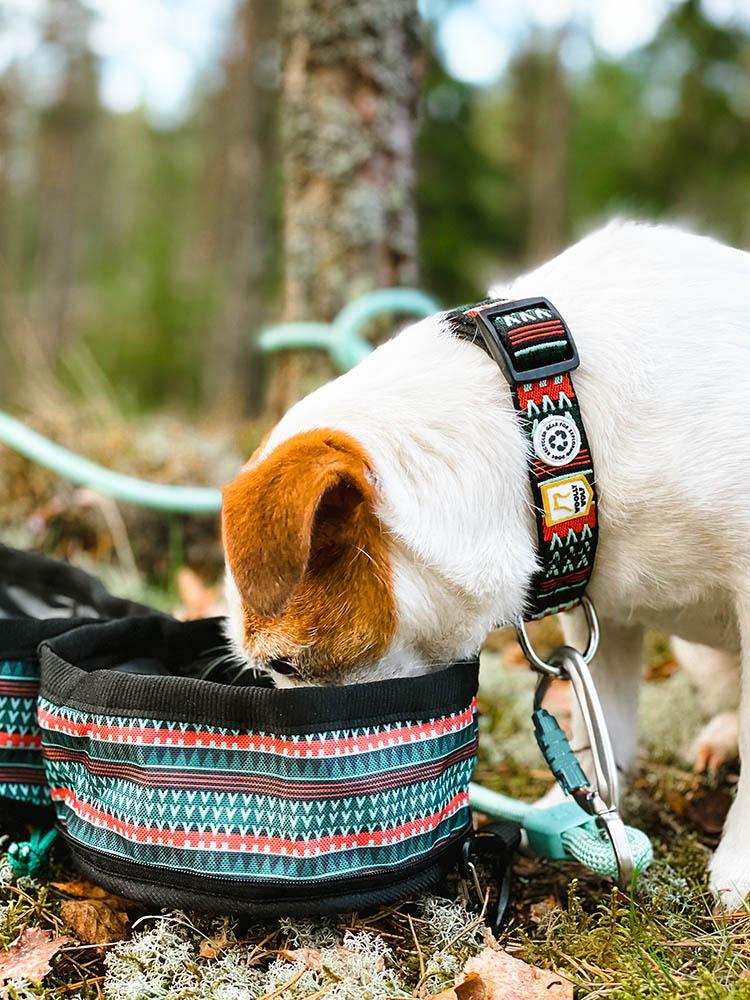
column 533, row 347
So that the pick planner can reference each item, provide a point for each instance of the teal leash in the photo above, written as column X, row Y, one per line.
column 344, row 341
column 563, row 832
column 587, row 826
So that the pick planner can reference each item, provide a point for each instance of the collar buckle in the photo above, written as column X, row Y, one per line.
column 514, row 331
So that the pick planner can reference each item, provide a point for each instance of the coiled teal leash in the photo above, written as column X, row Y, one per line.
column 82, row 472
column 563, row 831
column 29, row 857
column 342, row 339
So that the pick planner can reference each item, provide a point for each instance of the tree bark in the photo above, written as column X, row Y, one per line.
column 348, row 119
column 7, row 378
column 66, row 173
column 245, row 192
column 549, row 172
column 539, row 137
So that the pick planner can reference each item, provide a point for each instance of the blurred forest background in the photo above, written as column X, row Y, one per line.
column 177, row 174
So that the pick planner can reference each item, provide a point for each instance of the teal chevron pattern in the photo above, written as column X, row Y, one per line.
column 259, row 805
column 21, row 765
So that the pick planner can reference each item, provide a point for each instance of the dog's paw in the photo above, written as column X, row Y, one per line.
column 717, row 743
column 730, row 877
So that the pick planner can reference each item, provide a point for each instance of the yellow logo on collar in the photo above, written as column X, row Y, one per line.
column 566, row 499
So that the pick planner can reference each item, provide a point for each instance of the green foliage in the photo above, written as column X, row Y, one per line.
column 462, row 194
column 661, row 133
column 119, row 239
column 150, row 299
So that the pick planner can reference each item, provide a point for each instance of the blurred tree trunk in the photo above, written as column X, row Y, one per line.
column 8, row 373
column 348, row 120
column 246, row 194
column 548, row 181
column 66, row 171
column 6, row 104
column 539, row 139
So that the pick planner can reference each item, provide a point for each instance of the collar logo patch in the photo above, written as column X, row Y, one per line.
column 556, row 440
column 566, row 499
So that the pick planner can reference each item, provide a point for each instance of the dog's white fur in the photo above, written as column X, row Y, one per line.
column 661, row 321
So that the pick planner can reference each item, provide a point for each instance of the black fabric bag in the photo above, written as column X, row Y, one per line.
column 40, row 598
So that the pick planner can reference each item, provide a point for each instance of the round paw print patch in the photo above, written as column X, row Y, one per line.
column 556, row 440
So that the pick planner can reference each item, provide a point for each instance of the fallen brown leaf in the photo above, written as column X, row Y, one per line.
column 212, row 947
column 196, row 599
column 310, row 956
column 81, row 888
column 472, row 988
column 94, row 915
column 677, row 801
column 508, row 978
column 95, row 921
column 708, row 810
column 29, row 955
column 542, row 908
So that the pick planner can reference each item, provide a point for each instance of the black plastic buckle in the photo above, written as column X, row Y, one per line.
column 499, row 352
column 495, row 845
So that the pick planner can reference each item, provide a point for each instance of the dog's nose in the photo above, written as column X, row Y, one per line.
column 283, row 667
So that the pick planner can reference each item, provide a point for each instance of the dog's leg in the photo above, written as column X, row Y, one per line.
column 717, row 743
column 716, row 675
column 730, row 865
column 616, row 670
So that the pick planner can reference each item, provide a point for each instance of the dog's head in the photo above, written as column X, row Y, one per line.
column 384, row 527
column 309, row 568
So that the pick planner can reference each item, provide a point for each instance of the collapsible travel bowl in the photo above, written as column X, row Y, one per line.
column 39, row 599
column 181, row 791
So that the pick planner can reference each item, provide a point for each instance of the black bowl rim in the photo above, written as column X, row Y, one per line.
column 75, row 675
column 20, row 637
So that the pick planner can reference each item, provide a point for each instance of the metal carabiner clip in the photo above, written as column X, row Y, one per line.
column 600, row 795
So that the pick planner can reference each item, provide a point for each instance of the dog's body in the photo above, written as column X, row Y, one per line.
column 386, row 521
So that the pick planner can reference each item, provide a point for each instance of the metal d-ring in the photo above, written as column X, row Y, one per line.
column 551, row 669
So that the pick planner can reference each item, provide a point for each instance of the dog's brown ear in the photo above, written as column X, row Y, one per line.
column 289, row 512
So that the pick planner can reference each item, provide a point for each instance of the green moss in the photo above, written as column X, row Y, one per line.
column 509, row 758
column 671, row 714
column 662, row 944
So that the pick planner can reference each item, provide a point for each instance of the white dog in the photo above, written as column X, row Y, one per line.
column 385, row 525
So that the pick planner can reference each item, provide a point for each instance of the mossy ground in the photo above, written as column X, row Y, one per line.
column 662, row 943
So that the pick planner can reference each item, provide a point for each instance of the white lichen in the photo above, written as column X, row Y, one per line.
column 163, row 961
